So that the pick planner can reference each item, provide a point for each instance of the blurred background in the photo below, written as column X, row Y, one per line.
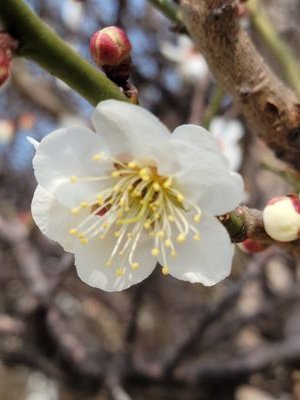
column 163, row 339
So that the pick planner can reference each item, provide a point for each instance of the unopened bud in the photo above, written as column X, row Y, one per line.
column 282, row 218
column 110, row 46
column 251, row 246
column 4, row 66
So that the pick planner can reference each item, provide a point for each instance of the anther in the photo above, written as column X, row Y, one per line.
column 132, row 164
column 197, row 217
column 97, row 156
column 168, row 243
column 84, row 204
column 73, row 179
column 120, row 272
column 75, row 210
column 116, row 174
column 165, row 270
column 161, row 234
column 156, row 186
column 181, row 238
column 168, row 183
column 180, row 198
column 197, row 236
column 135, row 265
column 155, row 251
column 73, row 232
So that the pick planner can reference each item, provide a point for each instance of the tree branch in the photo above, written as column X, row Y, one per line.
column 271, row 109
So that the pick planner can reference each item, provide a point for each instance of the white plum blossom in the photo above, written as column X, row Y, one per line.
column 191, row 64
column 228, row 133
column 132, row 194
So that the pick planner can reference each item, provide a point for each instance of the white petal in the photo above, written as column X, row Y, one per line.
column 128, row 129
column 53, row 219
column 90, row 261
column 204, row 175
column 207, row 261
column 223, row 197
column 69, row 152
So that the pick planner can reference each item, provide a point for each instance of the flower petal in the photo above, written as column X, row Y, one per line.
column 207, row 261
column 202, row 172
column 69, row 152
column 53, row 219
column 90, row 261
column 128, row 129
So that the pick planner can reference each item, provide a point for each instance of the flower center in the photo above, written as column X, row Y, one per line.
column 137, row 201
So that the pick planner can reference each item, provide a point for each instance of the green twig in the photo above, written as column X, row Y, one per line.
column 40, row 44
column 213, row 106
column 169, row 9
column 280, row 51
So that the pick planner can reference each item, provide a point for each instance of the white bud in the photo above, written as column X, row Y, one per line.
column 281, row 218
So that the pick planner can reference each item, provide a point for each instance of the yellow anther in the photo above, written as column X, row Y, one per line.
column 165, row 270
column 97, row 156
column 120, row 272
column 135, row 265
column 197, row 217
column 161, row 234
column 136, row 193
column 171, row 218
column 117, row 233
column 181, row 238
column 155, row 251
column 84, row 204
column 156, row 215
column 73, row 179
column 116, row 174
column 197, row 236
column 73, row 232
column 120, row 213
column 104, row 225
column 168, row 183
column 75, row 210
column 180, row 197
column 147, row 225
column 83, row 239
column 168, row 243
column 121, row 202
column 100, row 199
column 132, row 164
column 173, row 253
column 145, row 174
column 156, row 186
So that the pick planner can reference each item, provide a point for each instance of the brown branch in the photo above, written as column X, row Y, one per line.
column 247, row 223
column 272, row 111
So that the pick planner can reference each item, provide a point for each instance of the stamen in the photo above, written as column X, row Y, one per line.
column 73, row 179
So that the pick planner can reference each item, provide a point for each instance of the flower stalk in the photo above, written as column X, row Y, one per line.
column 40, row 44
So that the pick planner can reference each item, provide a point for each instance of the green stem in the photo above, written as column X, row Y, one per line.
column 280, row 51
column 40, row 44
column 213, row 106
column 169, row 9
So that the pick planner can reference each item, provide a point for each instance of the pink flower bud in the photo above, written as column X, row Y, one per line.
column 251, row 246
column 110, row 46
column 282, row 218
column 4, row 66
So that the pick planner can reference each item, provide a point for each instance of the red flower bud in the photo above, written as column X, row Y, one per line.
column 251, row 246
column 4, row 65
column 110, row 46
